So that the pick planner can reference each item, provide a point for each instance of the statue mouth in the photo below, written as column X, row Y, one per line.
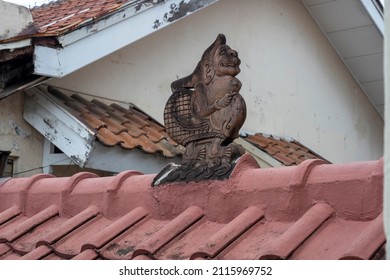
column 229, row 64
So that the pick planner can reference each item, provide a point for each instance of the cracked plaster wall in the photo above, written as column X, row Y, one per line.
column 25, row 143
column 13, row 19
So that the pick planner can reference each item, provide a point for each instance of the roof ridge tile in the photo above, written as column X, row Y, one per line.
column 70, row 184
column 75, row 179
column 345, row 223
column 27, row 186
column 246, row 161
column 302, row 172
column 120, row 178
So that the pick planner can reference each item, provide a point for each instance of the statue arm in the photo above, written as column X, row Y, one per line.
column 200, row 104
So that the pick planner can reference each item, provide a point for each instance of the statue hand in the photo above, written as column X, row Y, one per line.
column 225, row 101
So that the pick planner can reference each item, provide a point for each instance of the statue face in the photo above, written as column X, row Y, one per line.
column 226, row 61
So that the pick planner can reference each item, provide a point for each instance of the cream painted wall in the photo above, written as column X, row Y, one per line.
column 25, row 143
column 293, row 81
column 13, row 19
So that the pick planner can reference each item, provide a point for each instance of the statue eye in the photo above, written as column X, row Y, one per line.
column 222, row 52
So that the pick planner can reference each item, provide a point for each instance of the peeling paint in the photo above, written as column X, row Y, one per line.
column 146, row 4
column 179, row 9
column 18, row 130
column 47, row 121
column 183, row 8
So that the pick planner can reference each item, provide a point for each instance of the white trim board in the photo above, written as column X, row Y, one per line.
column 107, row 36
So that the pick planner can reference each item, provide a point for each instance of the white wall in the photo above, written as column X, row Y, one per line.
column 294, row 83
column 13, row 19
column 25, row 143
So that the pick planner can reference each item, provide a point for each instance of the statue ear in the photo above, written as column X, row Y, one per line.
column 208, row 72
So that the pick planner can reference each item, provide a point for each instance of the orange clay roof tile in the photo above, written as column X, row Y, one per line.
column 93, row 121
column 105, row 136
column 115, row 125
column 286, row 151
column 62, row 16
column 127, row 142
column 252, row 215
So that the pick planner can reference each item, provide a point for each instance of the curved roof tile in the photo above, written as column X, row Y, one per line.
column 310, row 211
column 115, row 125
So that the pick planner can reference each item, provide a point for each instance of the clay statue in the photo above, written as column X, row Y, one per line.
column 204, row 114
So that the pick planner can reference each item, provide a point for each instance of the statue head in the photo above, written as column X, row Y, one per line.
column 219, row 60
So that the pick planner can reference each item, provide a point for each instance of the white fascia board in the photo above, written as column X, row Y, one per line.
column 258, row 153
column 116, row 159
column 94, row 27
column 375, row 15
column 15, row 45
column 59, row 126
column 93, row 42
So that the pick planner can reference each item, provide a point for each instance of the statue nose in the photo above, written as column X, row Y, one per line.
column 233, row 53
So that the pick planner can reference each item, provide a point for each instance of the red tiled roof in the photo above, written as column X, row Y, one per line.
column 59, row 17
column 310, row 211
column 115, row 125
column 287, row 151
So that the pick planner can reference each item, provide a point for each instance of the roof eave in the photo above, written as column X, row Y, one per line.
column 59, row 126
column 120, row 29
column 365, row 64
column 375, row 15
column 16, row 45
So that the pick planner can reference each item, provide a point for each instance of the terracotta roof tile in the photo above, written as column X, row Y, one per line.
column 59, row 17
column 255, row 214
column 115, row 125
column 105, row 136
column 289, row 152
column 133, row 130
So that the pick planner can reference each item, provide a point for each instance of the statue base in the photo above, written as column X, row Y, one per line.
column 193, row 172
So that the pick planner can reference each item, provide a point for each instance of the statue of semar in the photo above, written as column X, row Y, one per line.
column 204, row 114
